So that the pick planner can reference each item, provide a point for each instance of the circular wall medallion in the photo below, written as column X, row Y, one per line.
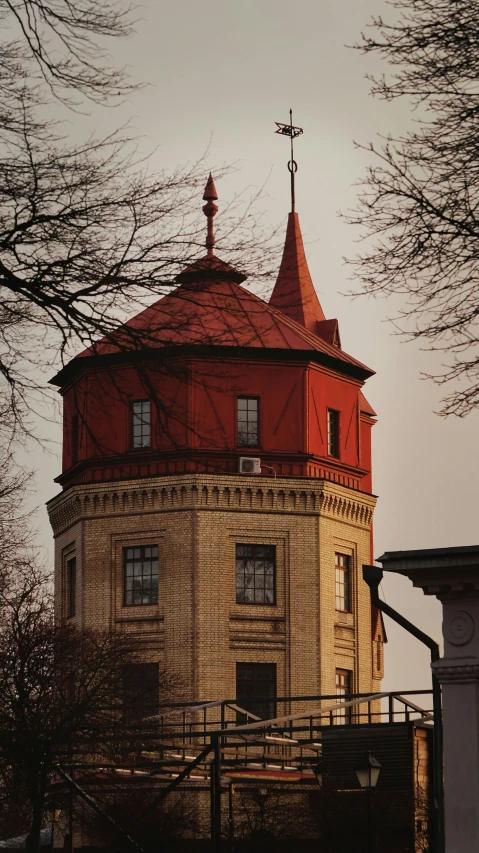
column 459, row 628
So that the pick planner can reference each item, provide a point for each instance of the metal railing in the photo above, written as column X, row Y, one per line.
column 215, row 743
column 193, row 723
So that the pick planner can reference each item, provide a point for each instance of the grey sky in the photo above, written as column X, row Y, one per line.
column 225, row 71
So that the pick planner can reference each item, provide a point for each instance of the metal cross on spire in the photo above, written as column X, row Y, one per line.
column 291, row 131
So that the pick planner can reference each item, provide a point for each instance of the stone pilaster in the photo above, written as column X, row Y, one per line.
column 452, row 575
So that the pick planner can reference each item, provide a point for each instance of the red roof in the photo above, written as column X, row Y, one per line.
column 366, row 407
column 294, row 292
column 211, row 308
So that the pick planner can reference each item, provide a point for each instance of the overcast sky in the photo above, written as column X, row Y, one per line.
column 220, row 74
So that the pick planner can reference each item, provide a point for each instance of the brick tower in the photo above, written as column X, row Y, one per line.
column 217, row 488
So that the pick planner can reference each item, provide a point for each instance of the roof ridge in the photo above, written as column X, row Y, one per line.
column 305, row 333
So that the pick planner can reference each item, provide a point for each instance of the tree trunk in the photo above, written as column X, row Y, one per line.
column 33, row 838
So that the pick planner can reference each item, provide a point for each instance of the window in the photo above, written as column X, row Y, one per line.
column 379, row 658
column 141, row 575
column 343, row 577
column 71, row 586
column 343, row 690
column 256, row 688
column 141, row 689
column 255, row 574
column 141, row 423
column 333, row 433
column 248, row 421
column 74, row 439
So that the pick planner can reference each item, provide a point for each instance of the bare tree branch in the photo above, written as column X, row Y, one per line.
column 89, row 236
column 420, row 202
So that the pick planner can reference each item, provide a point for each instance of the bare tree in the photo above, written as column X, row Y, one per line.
column 63, row 696
column 266, row 816
column 161, row 827
column 15, row 520
column 83, row 246
column 60, row 45
column 88, row 235
column 419, row 201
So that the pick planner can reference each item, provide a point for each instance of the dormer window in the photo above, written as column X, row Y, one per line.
column 140, row 432
column 333, row 433
column 248, row 421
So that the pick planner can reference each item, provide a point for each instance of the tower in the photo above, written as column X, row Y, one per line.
column 216, row 488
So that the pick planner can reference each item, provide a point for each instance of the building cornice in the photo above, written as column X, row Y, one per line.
column 208, row 492
column 463, row 670
column 150, row 464
column 338, row 364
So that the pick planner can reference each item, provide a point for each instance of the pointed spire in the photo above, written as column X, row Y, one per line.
column 294, row 292
column 211, row 267
column 210, row 209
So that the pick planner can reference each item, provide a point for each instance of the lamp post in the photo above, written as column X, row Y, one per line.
column 367, row 771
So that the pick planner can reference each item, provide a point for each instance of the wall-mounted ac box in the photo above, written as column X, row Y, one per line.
column 249, row 465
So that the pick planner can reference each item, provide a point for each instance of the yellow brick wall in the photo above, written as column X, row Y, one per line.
column 197, row 629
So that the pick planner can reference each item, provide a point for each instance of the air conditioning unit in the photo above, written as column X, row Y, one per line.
column 249, row 465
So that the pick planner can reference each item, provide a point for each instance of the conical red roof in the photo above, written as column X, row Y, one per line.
column 210, row 308
column 216, row 311
column 294, row 292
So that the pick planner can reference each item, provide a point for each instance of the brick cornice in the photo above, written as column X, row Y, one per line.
column 210, row 492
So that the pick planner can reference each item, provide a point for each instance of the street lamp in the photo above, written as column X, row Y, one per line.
column 367, row 771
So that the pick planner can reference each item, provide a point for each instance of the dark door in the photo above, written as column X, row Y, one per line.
column 256, row 688
column 141, row 690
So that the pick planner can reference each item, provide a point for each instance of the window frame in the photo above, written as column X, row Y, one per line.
column 379, row 655
column 333, row 433
column 255, row 559
column 258, row 433
column 71, row 588
column 134, row 403
column 343, row 717
column 271, row 701
column 75, row 438
column 142, row 558
column 347, row 572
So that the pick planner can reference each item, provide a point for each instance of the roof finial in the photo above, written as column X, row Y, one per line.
column 291, row 131
column 210, row 210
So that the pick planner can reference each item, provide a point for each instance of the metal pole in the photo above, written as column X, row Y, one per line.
column 217, row 795
column 75, row 788
column 70, row 823
column 212, row 797
column 438, row 763
column 370, row 821
column 373, row 576
column 231, row 823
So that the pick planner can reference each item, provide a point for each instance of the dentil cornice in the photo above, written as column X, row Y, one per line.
column 209, row 492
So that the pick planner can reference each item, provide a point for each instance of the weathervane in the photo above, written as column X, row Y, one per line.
column 291, row 131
